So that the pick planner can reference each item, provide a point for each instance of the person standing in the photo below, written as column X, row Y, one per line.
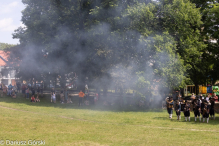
column 212, row 100
column 4, row 89
column 18, row 87
column 33, row 91
column 38, row 91
column 1, row 89
column 81, row 96
column 215, row 97
column 200, row 97
column 207, row 98
column 187, row 111
column 192, row 96
column 62, row 100
column 9, row 89
column 197, row 109
column 27, row 93
column 178, row 110
column 96, row 97
column 53, row 97
column 52, row 94
column 15, row 89
column 66, row 96
column 170, row 107
column 206, row 112
column 23, row 89
column 202, row 105
column 193, row 105
column 41, row 90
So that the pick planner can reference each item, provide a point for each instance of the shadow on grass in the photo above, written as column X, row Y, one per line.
column 192, row 120
column 45, row 101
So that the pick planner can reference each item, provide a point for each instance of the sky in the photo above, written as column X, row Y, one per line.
column 10, row 19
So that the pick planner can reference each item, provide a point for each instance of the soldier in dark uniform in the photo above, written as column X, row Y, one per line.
column 178, row 110
column 170, row 107
column 212, row 108
column 193, row 105
column 202, row 105
column 206, row 111
column 187, row 111
column 197, row 110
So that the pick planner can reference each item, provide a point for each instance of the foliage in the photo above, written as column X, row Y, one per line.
column 4, row 46
column 166, row 39
column 182, row 20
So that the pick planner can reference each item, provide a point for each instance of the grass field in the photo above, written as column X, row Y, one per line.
column 62, row 124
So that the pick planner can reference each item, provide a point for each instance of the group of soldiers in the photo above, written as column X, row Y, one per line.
column 202, row 107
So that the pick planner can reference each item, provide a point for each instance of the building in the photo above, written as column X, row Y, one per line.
column 7, row 73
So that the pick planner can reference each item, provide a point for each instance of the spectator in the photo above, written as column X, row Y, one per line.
column 15, row 89
column 13, row 94
column 33, row 91
column 1, row 89
column 23, row 89
column 41, row 90
column 62, row 96
column 95, row 97
column 53, row 95
column 38, row 90
column 4, row 89
column 81, row 96
column 37, row 99
column 208, row 97
column 9, row 89
column 18, row 87
column 86, row 94
column 66, row 96
column 193, row 96
column 27, row 93
column 215, row 97
column 32, row 99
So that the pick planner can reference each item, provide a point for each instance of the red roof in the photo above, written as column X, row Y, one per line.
column 3, row 57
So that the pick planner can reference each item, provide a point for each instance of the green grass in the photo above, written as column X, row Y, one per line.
column 62, row 124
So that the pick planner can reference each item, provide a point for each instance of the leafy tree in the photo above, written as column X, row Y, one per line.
column 182, row 20
column 93, row 36
column 209, row 34
column 4, row 46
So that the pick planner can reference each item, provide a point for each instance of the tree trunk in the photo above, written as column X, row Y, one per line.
column 196, row 89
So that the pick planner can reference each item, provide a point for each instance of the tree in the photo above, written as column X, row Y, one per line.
column 94, row 36
column 209, row 34
column 182, row 20
column 4, row 46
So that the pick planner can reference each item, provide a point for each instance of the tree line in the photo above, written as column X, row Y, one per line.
column 137, row 44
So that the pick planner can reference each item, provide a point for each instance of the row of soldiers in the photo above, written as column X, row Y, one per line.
column 202, row 108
